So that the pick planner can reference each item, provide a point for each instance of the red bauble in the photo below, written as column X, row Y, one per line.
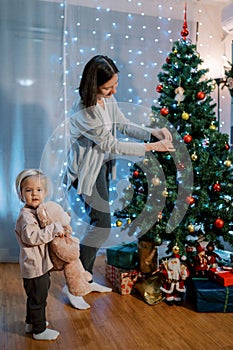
column 200, row 95
column 187, row 138
column 159, row 88
column 190, row 200
column 184, row 33
column 136, row 173
column 227, row 147
column 216, row 187
column 164, row 111
column 219, row 223
column 168, row 60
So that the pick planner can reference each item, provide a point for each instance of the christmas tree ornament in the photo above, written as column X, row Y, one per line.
column 187, row 138
column 194, row 156
column 155, row 181
column 136, row 173
column 145, row 161
column 128, row 221
column 165, row 193
column 168, row 60
column 212, row 126
column 205, row 142
column 217, row 187
column 160, row 216
column 184, row 33
column 179, row 97
column 191, row 228
column 164, row 111
column 227, row 146
column 190, row 200
column 200, row 95
column 227, row 163
column 219, row 223
column 157, row 240
column 159, row 88
column 185, row 116
column 119, row 223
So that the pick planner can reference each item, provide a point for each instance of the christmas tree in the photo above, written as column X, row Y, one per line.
column 187, row 195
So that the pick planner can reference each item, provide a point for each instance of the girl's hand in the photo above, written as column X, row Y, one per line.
column 160, row 146
column 162, row 134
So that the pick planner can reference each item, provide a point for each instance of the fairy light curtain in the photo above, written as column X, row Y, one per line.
column 44, row 47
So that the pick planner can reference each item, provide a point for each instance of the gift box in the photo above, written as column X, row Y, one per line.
column 124, row 256
column 123, row 280
column 225, row 278
column 209, row 296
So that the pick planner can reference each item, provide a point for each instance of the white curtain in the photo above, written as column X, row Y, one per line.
column 44, row 46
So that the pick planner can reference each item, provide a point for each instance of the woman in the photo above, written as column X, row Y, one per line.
column 94, row 122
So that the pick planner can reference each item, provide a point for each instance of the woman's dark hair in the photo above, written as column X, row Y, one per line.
column 97, row 72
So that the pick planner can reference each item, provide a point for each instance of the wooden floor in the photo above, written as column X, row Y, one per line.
column 113, row 322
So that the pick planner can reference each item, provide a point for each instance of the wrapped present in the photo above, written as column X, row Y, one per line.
column 123, row 280
column 225, row 278
column 209, row 296
column 124, row 256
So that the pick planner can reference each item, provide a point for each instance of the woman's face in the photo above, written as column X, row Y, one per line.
column 109, row 88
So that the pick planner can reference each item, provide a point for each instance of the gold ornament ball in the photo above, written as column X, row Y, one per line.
column 227, row 163
column 155, row 181
column 185, row 116
column 194, row 156
column 212, row 127
column 165, row 193
column 119, row 223
column 191, row 228
column 129, row 221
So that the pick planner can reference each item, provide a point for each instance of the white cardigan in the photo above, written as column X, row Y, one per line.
column 90, row 139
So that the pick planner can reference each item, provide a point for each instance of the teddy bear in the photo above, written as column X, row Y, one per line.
column 64, row 251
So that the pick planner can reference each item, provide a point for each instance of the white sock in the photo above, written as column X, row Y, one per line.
column 76, row 301
column 29, row 327
column 48, row 334
column 96, row 287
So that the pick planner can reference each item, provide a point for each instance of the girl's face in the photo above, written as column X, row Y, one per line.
column 109, row 88
column 33, row 191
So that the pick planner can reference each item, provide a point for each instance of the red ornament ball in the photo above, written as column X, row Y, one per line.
column 184, row 33
column 164, row 111
column 168, row 60
column 217, row 187
column 159, row 88
column 219, row 223
column 187, row 138
column 190, row 200
column 200, row 95
column 227, row 147
column 136, row 173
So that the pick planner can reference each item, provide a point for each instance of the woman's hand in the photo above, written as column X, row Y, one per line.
column 162, row 134
column 160, row 146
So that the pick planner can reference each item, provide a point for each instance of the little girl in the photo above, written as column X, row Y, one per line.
column 35, row 263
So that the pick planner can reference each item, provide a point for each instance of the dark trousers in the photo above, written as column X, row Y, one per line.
column 37, row 292
column 98, row 210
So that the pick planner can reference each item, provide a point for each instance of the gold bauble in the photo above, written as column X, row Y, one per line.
column 227, row 163
column 191, row 228
column 185, row 116
column 212, row 127
column 194, row 156
column 119, row 223
column 129, row 221
column 165, row 193
column 145, row 161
